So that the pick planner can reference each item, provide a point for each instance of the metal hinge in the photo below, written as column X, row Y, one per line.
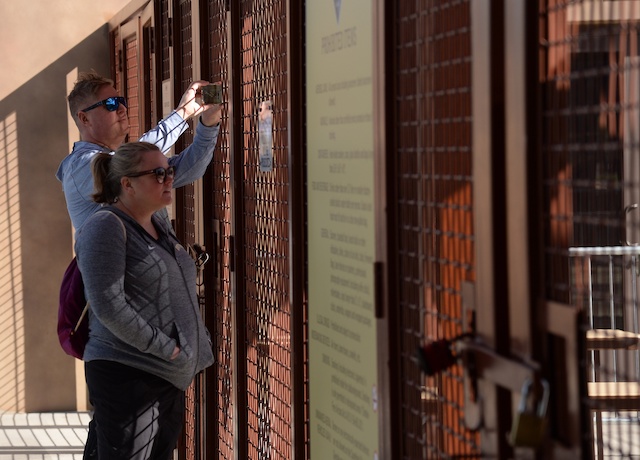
column 507, row 372
column 232, row 254
column 378, row 289
column 480, row 361
column 152, row 41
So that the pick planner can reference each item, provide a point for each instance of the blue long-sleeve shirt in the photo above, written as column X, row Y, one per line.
column 75, row 170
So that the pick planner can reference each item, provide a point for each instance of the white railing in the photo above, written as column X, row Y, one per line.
column 606, row 279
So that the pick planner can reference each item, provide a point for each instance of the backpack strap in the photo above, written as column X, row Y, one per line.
column 124, row 229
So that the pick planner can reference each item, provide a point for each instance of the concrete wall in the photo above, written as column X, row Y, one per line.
column 42, row 47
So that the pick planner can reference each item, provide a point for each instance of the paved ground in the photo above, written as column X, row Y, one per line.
column 43, row 436
column 61, row 436
column 621, row 435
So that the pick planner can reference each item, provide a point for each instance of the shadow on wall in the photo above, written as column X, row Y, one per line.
column 35, row 232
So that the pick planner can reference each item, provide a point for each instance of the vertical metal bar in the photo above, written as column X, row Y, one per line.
column 634, row 301
column 590, row 285
column 394, row 366
column 488, row 98
column 612, row 306
column 237, row 246
column 612, row 312
column 297, row 230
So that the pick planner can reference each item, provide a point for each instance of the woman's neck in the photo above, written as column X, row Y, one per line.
column 142, row 218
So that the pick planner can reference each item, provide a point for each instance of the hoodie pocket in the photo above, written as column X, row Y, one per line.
column 186, row 353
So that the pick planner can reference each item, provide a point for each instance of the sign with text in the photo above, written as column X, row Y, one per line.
column 342, row 327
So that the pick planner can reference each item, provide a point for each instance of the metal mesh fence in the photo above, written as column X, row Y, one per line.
column 218, row 199
column 239, row 198
column 589, row 72
column 186, row 220
column 162, row 7
column 433, row 217
column 266, row 233
column 185, row 196
column 148, row 80
column 116, row 62
column 132, row 90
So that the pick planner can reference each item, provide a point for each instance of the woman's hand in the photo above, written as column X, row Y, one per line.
column 176, row 352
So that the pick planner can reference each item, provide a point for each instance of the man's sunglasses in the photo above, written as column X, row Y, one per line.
column 161, row 173
column 110, row 103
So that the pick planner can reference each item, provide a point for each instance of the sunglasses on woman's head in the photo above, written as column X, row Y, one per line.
column 110, row 103
column 161, row 173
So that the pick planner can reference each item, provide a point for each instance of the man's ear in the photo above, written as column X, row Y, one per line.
column 82, row 118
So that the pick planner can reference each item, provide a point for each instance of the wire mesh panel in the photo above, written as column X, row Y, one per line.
column 590, row 76
column 132, row 90
column 266, row 232
column 149, row 114
column 185, row 196
column 116, row 48
column 164, row 59
column 433, row 220
column 191, row 446
column 218, row 204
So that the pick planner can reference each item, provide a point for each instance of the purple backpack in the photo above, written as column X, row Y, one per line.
column 73, row 324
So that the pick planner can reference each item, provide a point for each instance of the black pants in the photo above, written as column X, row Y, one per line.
column 137, row 416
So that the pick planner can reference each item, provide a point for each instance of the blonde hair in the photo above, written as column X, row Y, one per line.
column 109, row 168
column 84, row 91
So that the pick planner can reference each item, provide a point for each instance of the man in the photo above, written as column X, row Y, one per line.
column 102, row 119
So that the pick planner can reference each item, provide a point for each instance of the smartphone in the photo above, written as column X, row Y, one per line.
column 212, row 94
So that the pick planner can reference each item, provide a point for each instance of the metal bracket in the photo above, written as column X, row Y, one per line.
column 503, row 371
column 480, row 361
column 627, row 210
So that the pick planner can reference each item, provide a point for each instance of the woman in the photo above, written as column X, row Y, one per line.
column 147, row 339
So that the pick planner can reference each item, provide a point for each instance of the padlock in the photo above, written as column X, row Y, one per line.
column 529, row 426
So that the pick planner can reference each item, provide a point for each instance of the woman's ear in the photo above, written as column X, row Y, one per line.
column 125, row 183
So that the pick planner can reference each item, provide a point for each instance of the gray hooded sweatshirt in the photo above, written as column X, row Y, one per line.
column 142, row 298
